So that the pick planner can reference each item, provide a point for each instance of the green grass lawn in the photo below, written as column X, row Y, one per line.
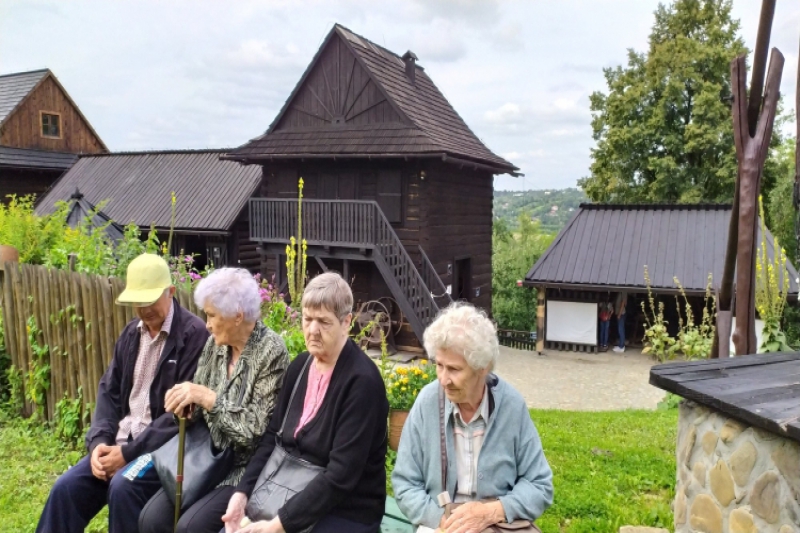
column 610, row 469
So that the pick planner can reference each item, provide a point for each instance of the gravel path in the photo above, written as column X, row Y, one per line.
column 581, row 381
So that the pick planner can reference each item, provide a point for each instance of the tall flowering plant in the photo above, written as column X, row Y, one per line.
column 296, row 253
column 772, row 286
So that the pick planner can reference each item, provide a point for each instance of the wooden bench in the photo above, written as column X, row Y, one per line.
column 393, row 519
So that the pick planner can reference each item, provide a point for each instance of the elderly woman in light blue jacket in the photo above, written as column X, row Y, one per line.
column 493, row 449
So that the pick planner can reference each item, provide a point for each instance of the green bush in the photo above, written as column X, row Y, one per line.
column 514, row 253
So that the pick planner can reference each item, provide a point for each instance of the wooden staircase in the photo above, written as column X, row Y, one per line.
column 355, row 229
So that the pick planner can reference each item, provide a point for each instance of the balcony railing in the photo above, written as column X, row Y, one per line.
column 351, row 223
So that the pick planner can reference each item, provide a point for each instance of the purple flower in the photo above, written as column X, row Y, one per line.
column 195, row 276
column 189, row 259
column 257, row 276
column 281, row 295
column 182, row 279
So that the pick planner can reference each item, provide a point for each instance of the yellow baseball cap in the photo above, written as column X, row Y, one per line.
column 147, row 278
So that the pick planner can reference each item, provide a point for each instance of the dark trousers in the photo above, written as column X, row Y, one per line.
column 604, row 327
column 205, row 516
column 621, row 330
column 77, row 496
column 334, row 524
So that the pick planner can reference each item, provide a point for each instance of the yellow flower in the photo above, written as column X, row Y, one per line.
column 300, row 183
column 403, row 389
column 423, row 362
column 402, row 370
column 424, row 376
column 405, row 381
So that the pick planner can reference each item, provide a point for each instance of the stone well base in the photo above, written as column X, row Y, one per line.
column 733, row 478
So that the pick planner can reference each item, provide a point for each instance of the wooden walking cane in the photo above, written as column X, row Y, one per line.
column 179, row 475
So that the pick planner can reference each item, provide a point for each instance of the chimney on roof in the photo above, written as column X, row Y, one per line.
column 410, row 59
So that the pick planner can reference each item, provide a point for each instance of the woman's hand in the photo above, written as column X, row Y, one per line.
column 235, row 512
column 264, row 526
column 474, row 517
column 182, row 395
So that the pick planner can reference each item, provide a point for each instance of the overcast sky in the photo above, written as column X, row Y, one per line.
column 197, row 74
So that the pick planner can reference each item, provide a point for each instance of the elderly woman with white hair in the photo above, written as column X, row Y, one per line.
column 496, row 470
column 331, row 418
column 235, row 388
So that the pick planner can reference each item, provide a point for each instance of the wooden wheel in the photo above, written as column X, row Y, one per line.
column 374, row 312
column 395, row 313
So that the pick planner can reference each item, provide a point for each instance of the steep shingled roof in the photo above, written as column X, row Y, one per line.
column 15, row 87
column 608, row 246
column 137, row 186
column 428, row 127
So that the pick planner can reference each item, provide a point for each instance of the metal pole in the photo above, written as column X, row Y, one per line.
column 179, row 476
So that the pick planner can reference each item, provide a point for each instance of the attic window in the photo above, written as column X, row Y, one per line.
column 51, row 124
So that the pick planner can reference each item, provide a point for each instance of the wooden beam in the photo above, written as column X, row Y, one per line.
column 540, row 317
column 321, row 264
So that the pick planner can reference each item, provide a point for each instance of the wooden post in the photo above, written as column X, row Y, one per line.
column 751, row 153
column 540, row 316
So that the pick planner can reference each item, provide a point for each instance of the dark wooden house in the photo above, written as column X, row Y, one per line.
column 398, row 189
column 41, row 131
column 211, row 199
column 604, row 249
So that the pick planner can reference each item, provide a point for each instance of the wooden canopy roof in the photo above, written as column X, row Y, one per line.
column 606, row 247
column 360, row 100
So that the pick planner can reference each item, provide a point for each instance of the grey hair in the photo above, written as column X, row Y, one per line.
column 230, row 291
column 465, row 330
column 331, row 291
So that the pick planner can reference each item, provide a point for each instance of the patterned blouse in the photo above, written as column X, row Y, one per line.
column 244, row 403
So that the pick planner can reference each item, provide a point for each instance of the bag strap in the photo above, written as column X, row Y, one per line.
column 444, row 497
column 279, row 436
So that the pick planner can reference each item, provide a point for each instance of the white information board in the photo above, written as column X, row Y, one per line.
column 572, row 322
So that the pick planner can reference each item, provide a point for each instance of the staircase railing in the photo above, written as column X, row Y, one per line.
column 350, row 223
column 431, row 278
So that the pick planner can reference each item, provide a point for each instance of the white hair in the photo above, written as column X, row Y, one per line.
column 331, row 291
column 230, row 291
column 465, row 330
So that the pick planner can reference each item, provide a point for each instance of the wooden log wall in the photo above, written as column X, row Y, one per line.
column 79, row 323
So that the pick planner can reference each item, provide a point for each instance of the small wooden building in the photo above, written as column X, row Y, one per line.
column 604, row 249
column 398, row 189
column 211, row 199
column 41, row 131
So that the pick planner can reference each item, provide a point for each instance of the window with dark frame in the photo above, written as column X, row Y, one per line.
column 51, row 125
column 390, row 195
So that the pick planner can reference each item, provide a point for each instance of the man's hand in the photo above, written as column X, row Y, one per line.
column 182, row 395
column 474, row 517
column 111, row 460
column 235, row 512
column 97, row 468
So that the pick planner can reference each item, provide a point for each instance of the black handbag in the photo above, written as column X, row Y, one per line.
column 204, row 465
column 283, row 476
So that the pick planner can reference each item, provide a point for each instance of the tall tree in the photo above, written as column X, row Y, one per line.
column 664, row 131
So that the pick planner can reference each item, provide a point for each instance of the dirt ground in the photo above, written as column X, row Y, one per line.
column 581, row 381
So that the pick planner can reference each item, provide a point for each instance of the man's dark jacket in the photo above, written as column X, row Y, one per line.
column 182, row 349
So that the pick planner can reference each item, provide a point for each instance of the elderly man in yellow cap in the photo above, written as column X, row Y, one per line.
column 153, row 353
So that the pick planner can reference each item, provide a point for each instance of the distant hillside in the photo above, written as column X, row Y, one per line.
column 553, row 207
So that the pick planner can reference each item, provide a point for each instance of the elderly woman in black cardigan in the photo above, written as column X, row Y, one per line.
column 337, row 421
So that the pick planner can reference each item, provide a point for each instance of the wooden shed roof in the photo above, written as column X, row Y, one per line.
column 608, row 247
column 35, row 159
column 211, row 193
column 428, row 125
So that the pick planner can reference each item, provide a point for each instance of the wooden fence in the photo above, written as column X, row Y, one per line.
column 521, row 340
column 79, row 324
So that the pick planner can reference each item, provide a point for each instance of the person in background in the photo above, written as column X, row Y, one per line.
column 154, row 352
column 620, row 309
column 605, row 321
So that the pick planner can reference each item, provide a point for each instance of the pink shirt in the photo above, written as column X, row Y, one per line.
column 315, row 392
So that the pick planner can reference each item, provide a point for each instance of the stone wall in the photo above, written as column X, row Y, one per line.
column 733, row 478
